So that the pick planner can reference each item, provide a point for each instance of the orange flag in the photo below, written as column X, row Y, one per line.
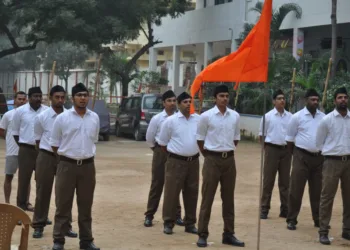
column 15, row 86
column 248, row 64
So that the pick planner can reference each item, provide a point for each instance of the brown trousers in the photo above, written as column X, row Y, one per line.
column 46, row 167
column 26, row 165
column 306, row 168
column 157, row 184
column 180, row 175
column 276, row 160
column 215, row 170
column 333, row 171
column 70, row 178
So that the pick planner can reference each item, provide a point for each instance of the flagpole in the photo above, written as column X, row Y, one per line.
column 261, row 166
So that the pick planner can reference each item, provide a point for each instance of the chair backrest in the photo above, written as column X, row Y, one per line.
column 9, row 217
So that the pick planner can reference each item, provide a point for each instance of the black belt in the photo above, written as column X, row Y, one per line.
column 184, row 158
column 77, row 162
column 47, row 152
column 276, row 146
column 339, row 158
column 223, row 155
column 156, row 145
column 308, row 152
column 27, row 145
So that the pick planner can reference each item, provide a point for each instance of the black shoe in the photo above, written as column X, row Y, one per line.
column 148, row 222
column 191, row 229
column 232, row 240
column 48, row 222
column 89, row 246
column 345, row 236
column 58, row 246
column 324, row 239
column 283, row 214
column 179, row 222
column 263, row 216
column 202, row 242
column 317, row 224
column 38, row 233
column 291, row 226
column 71, row 234
column 168, row 230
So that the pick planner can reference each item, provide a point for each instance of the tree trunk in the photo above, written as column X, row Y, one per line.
column 334, row 37
column 125, row 86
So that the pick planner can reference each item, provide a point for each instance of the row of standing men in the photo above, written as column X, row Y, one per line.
column 315, row 141
column 57, row 144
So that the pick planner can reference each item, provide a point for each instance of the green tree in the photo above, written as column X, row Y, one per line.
column 148, row 79
column 67, row 57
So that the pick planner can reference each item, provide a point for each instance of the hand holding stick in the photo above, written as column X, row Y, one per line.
column 324, row 98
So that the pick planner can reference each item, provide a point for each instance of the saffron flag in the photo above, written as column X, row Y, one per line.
column 248, row 64
column 15, row 87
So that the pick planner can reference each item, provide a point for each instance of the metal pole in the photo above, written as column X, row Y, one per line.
column 261, row 166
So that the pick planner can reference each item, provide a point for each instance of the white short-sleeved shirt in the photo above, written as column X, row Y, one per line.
column 275, row 126
column 23, row 123
column 179, row 134
column 153, row 130
column 219, row 131
column 75, row 136
column 302, row 129
column 6, row 124
column 333, row 134
column 43, row 127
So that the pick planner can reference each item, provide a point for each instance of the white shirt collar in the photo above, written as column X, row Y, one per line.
column 278, row 113
column 336, row 113
column 217, row 111
column 307, row 112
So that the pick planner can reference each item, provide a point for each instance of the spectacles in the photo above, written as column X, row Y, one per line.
column 81, row 95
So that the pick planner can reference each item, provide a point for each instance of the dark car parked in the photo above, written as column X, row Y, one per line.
column 135, row 113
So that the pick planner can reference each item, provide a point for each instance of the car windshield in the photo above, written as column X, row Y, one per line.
column 153, row 102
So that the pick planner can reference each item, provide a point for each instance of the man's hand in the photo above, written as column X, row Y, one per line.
column 290, row 146
column 16, row 137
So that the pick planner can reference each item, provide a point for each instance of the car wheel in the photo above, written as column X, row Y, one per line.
column 117, row 130
column 106, row 137
column 137, row 134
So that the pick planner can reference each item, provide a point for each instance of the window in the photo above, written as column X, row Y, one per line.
column 217, row 2
column 128, row 104
column 136, row 103
column 153, row 102
column 161, row 52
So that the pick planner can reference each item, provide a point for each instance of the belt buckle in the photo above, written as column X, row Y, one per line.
column 344, row 158
column 189, row 158
column 79, row 162
column 224, row 155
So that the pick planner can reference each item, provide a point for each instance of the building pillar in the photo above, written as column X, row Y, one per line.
column 176, row 68
column 298, row 43
column 234, row 45
column 208, row 52
column 153, row 56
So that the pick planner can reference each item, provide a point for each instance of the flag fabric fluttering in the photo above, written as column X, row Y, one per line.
column 15, row 89
column 248, row 64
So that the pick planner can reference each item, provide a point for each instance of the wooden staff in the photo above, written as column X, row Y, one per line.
column 97, row 81
column 292, row 90
column 237, row 94
column 324, row 98
column 51, row 81
column 201, row 97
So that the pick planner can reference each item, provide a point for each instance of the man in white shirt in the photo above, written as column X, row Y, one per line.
column 23, row 132
column 46, row 162
column 178, row 138
column 159, row 159
column 73, row 138
column 11, row 164
column 217, row 136
column 307, row 159
column 277, row 156
column 333, row 138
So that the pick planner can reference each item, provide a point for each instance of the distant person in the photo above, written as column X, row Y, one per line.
column 11, row 164
column 218, row 135
column 178, row 139
column 277, row 156
column 3, row 103
column 333, row 138
column 23, row 132
column 307, row 159
column 73, row 138
column 159, row 159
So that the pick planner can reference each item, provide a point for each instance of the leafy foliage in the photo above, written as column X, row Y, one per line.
column 148, row 79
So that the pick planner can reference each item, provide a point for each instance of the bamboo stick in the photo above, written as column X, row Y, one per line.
column 324, row 98
column 292, row 90
column 51, row 81
column 97, row 81
column 237, row 94
column 201, row 97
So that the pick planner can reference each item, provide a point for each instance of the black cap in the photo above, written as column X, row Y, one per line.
column 341, row 90
column 183, row 96
column 79, row 88
column 34, row 90
column 168, row 94
column 311, row 92
column 56, row 89
column 220, row 89
column 277, row 93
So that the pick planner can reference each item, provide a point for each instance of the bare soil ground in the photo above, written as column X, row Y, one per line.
column 123, row 180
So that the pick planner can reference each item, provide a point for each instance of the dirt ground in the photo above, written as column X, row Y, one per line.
column 123, row 180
